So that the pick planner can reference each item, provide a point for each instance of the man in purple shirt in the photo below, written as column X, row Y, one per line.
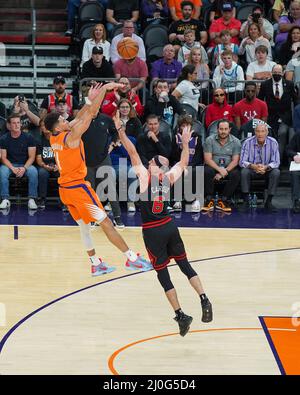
column 260, row 159
column 167, row 67
column 286, row 22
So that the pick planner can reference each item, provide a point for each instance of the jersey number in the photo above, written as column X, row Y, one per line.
column 158, row 204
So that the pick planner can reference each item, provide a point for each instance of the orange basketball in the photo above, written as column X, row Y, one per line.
column 127, row 48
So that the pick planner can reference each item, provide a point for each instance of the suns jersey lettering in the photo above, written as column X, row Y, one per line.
column 70, row 161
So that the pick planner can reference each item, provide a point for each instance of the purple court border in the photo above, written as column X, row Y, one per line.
column 15, row 327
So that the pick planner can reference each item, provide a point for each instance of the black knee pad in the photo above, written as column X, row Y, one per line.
column 186, row 268
column 164, row 278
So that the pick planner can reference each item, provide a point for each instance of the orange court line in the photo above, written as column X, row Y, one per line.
column 112, row 358
column 286, row 343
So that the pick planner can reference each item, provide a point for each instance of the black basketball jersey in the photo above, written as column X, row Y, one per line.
column 155, row 199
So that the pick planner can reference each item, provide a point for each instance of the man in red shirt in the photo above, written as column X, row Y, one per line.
column 132, row 68
column 226, row 22
column 249, row 108
column 219, row 108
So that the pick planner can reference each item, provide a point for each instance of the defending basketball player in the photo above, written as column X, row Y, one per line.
column 76, row 193
column 161, row 235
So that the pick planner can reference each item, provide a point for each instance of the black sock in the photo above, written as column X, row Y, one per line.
column 178, row 313
column 203, row 298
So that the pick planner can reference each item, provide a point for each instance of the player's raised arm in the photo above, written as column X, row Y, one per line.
column 176, row 171
column 89, row 111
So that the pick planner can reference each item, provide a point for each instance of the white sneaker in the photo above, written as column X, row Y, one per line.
column 32, row 204
column 177, row 206
column 107, row 207
column 195, row 207
column 131, row 207
column 4, row 204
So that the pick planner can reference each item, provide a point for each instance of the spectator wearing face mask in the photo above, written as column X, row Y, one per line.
column 279, row 94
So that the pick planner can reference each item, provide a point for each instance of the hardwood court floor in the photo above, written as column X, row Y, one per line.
column 95, row 331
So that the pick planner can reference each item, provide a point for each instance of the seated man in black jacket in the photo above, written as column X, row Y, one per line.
column 163, row 104
column 293, row 151
column 152, row 142
column 97, row 66
column 279, row 94
column 195, row 160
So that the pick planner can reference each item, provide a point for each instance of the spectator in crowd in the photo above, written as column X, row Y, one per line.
column 279, row 95
column 152, row 142
column 296, row 119
column 195, row 157
column 176, row 8
column 18, row 151
column 48, row 104
column 260, row 160
column 287, row 22
column 162, row 104
column 221, row 158
column 2, row 110
column 98, row 39
column 127, row 31
column 154, row 12
column 216, row 8
column 72, row 8
column 292, row 71
column 97, row 139
column 226, row 43
column 219, row 108
column 124, row 172
column 257, row 16
column 186, row 91
column 252, row 41
column 291, row 47
column 261, row 69
column 189, row 43
column 128, row 118
column 293, row 150
column 230, row 71
column 226, row 22
column 280, row 8
column 29, row 119
column 196, row 59
column 46, row 164
column 62, row 108
column 132, row 68
column 187, row 22
column 111, row 99
column 121, row 11
column 97, row 66
column 250, row 107
column 167, row 67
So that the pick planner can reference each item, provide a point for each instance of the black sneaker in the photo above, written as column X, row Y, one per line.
column 117, row 221
column 42, row 203
column 207, row 313
column 184, row 321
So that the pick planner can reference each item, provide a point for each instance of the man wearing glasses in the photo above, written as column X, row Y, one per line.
column 250, row 107
column 219, row 108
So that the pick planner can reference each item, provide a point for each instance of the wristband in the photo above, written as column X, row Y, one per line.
column 87, row 101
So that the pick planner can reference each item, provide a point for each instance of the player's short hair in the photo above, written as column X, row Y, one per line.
column 51, row 120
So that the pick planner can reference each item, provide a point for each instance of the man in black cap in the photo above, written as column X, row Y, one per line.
column 97, row 66
column 49, row 103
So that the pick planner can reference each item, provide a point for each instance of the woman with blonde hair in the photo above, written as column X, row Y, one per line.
column 196, row 59
column 97, row 39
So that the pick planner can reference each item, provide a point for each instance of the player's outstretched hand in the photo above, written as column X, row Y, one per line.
column 94, row 91
column 186, row 134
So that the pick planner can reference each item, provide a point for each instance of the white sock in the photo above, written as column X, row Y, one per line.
column 94, row 260
column 130, row 255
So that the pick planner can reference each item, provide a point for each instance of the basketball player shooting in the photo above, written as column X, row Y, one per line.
column 160, row 234
column 76, row 193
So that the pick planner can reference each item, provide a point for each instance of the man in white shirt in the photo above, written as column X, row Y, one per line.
column 128, row 31
column 261, row 69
